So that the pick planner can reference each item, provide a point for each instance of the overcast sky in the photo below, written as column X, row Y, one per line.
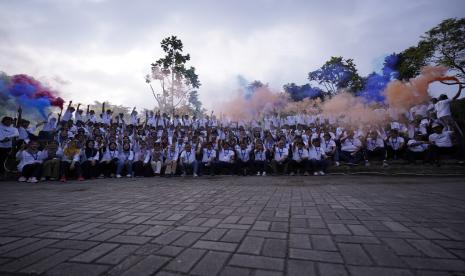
column 101, row 49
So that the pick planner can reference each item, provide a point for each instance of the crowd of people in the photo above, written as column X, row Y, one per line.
column 86, row 145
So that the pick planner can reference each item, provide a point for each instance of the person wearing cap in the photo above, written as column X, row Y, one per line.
column 417, row 148
column 441, row 143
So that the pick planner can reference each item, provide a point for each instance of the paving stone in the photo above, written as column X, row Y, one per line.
column 435, row 264
column 187, row 239
column 72, row 244
column 323, row 242
column 257, row 262
column 299, row 241
column 147, row 266
column 326, row 269
column 315, row 255
column 130, row 239
column 19, row 252
column 186, row 260
column 168, row 237
column 51, row 261
column 383, row 255
column 299, row 268
column 219, row 246
column 251, row 245
column 430, row 249
column 233, row 235
column 235, row 271
column 74, row 269
column 378, row 271
column 354, row 254
column 106, row 235
column 211, row 264
column 275, row 248
column 118, row 255
column 401, row 247
column 215, row 234
column 28, row 260
column 396, row 226
column 94, row 253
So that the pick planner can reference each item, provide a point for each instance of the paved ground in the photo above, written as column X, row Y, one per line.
column 334, row 225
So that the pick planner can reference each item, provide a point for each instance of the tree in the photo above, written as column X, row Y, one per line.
column 175, row 79
column 337, row 73
column 442, row 45
column 300, row 92
column 194, row 103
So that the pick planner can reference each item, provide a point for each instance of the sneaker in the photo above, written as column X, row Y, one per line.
column 32, row 180
column 101, row 176
column 128, row 175
column 63, row 179
column 118, row 176
column 195, row 175
column 264, row 174
column 22, row 179
column 338, row 164
column 183, row 174
column 315, row 173
column 52, row 179
column 321, row 173
column 80, row 178
column 258, row 173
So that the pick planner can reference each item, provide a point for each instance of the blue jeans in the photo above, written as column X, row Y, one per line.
column 121, row 165
column 186, row 168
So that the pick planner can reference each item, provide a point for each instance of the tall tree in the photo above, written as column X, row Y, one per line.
column 300, row 92
column 337, row 73
column 194, row 103
column 442, row 45
column 175, row 80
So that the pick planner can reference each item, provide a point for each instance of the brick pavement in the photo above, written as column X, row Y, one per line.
column 335, row 225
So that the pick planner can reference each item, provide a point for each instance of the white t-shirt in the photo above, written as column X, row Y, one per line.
column 443, row 108
column 280, row 154
column 329, row 146
column 396, row 142
column 442, row 140
column 243, row 154
column 372, row 144
column 351, row 144
column 208, row 155
column 226, row 155
column 316, row 153
column 187, row 157
column 26, row 158
column 7, row 133
column 260, row 155
column 299, row 154
column 418, row 148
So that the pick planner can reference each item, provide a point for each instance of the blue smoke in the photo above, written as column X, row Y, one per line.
column 377, row 82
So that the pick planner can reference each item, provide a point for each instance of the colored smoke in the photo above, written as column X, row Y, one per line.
column 27, row 92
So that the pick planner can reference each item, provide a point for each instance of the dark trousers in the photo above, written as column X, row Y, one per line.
column 242, row 167
column 437, row 153
column 3, row 155
column 32, row 170
column 395, row 154
column 259, row 166
column 89, row 170
column 108, row 168
column 347, row 156
column 222, row 167
column 412, row 156
column 298, row 166
column 279, row 167
column 318, row 165
column 141, row 169
column 376, row 154
column 66, row 171
column 204, row 167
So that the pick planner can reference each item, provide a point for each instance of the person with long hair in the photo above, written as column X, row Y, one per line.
column 70, row 161
column 90, row 160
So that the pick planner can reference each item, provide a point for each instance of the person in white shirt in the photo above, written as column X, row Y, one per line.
column 30, row 162
column 299, row 161
column 208, row 155
column 351, row 149
column 330, row 147
column 375, row 148
column 280, row 160
column 141, row 164
column 417, row 148
column 395, row 145
column 90, row 160
column 317, row 158
column 7, row 134
column 109, row 160
column 259, row 159
column 70, row 161
column 188, row 161
column 171, row 160
column 243, row 160
column 156, row 159
column 226, row 158
column 441, row 143
column 52, row 161
column 443, row 112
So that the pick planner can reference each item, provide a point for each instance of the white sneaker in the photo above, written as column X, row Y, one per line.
column 195, row 175
column 32, row 180
column 258, row 173
column 367, row 164
column 337, row 164
column 315, row 173
column 128, row 175
column 118, row 176
column 321, row 173
column 264, row 174
column 22, row 179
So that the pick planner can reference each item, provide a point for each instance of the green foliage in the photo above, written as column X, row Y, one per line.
column 337, row 73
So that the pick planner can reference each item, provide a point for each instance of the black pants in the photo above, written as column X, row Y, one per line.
column 141, row 169
column 108, row 168
column 279, row 167
column 89, row 170
column 242, row 167
column 3, row 155
column 222, row 167
column 32, row 170
column 412, row 156
column 66, row 171
column 259, row 166
column 437, row 153
column 301, row 166
column 395, row 154
column 203, row 168
column 348, row 157
column 318, row 165
column 376, row 154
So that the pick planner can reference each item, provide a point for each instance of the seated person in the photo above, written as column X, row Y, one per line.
column 417, row 148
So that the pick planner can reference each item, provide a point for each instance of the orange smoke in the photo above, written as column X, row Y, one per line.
column 403, row 95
